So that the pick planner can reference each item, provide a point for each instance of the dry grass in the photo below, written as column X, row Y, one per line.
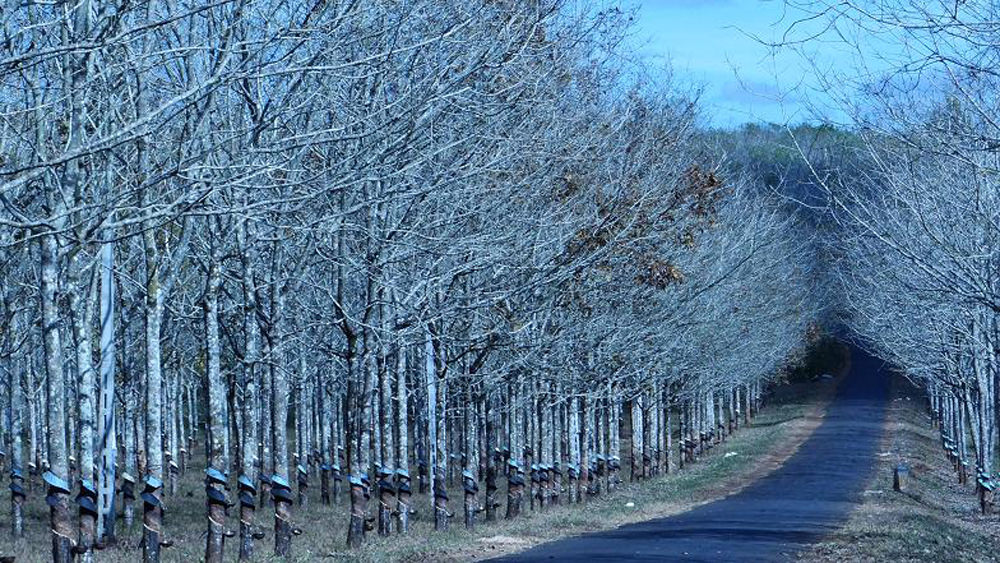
column 935, row 519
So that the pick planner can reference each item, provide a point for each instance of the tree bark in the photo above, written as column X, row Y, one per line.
column 402, row 445
column 387, row 491
column 58, row 472
column 437, row 434
column 492, row 458
column 131, row 438
column 515, row 476
column 215, row 482
column 325, row 446
column 614, row 438
column 18, row 493
column 359, row 452
column 249, row 479
column 81, row 298
column 281, row 489
column 574, row 465
column 301, row 433
column 153, row 484
column 588, row 467
column 470, row 482
column 668, row 431
column 637, row 440
column 106, row 422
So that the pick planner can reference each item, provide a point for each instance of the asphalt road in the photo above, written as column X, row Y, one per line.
column 808, row 497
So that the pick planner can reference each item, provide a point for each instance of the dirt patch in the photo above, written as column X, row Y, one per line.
column 502, row 540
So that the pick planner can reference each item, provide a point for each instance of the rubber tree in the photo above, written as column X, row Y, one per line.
column 107, row 421
column 248, row 479
column 217, row 502
column 281, row 489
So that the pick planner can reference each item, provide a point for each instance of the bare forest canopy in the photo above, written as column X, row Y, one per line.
column 361, row 243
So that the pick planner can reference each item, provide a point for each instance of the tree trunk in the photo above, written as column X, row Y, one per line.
column 359, row 451
column 247, row 482
column 170, row 406
column 746, row 407
column 153, row 484
column 336, row 445
column 736, row 407
column 131, row 438
column 386, row 489
column 515, row 475
column 554, row 471
column 325, row 446
column 402, row 445
column 106, row 422
column 637, row 442
column 573, row 467
column 437, row 435
column 646, row 433
column 215, row 481
column 658, row 433
column 602, row 415
column 301, row 434
column 81, row 297
column 588, row 467
column 492, row 458
column 57, row 476
column 470, row 482
column 614, row 439
column 180, row 404
column 265, row 455
column 721, row 420
column 33, row 424
column 17, row 491
column 668, row 431
column 281, row 489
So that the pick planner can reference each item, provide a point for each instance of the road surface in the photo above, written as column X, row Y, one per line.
column 808, row 497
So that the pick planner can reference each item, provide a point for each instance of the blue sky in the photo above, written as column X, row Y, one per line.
column 706, row 42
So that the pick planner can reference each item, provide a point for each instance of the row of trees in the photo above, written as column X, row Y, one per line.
column 917, row 203
column 364, row 243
